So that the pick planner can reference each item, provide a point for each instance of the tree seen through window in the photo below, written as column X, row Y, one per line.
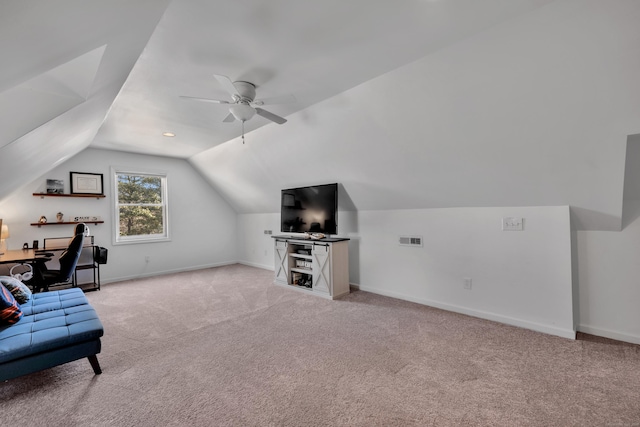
column 141, row 205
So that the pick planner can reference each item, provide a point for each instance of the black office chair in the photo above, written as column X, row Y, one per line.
column 44, row 277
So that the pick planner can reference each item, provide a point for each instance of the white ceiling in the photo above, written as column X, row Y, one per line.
column 310, row 49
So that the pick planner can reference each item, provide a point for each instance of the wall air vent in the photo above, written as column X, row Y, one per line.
column 415, row 241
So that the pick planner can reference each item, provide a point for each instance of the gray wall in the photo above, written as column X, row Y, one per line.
column 521, row 278
column 202, row 225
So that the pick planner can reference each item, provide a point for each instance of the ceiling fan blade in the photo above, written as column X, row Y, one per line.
column 284, row 99
column 270, row 116
column 227, row 84
column 213, row 101
column 229, row 118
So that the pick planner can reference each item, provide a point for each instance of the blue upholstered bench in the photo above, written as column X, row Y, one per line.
column 57, row 327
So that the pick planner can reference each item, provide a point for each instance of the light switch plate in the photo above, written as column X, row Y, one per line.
column 512, row 224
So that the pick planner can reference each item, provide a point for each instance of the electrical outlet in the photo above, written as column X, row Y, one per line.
column 467, row 283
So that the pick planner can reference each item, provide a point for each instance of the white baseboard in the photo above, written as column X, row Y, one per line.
column 538, row 327
column 162, row 272
column 606, row 333
column 253, row 264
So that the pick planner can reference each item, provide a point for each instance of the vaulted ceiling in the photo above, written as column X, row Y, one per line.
column 409, row 104
column 312, row 50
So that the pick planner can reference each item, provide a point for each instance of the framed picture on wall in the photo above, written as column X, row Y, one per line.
column 55, row 186
column 86, row 183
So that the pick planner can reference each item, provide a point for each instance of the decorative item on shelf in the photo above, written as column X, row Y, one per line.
column 43, row 220
column 4, row 234
column 301, row 279
column 85, row 218
column 55, row 186
column 86, row 183
column 296, row 278
column 60, row 217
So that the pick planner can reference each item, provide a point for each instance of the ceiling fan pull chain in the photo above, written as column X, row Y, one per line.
column 243, row 132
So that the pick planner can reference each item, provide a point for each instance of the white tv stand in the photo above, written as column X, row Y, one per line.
column 316, row 266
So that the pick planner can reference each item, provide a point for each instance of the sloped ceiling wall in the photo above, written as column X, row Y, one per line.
column 46, row 96
column 66, row 69
column 534, row 112
column 305, row 48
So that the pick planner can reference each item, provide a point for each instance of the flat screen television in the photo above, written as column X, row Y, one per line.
column 310, row 209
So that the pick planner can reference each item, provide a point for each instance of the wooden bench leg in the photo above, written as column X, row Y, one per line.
column 93, row 359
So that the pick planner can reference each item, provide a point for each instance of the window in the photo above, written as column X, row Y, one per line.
column 140, row 207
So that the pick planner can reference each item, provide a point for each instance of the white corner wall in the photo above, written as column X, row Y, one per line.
column 255, row 248
column 608, row 269
column 521, row 278
column 202, row 224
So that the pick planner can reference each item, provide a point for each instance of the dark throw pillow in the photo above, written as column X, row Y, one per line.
column 20, row 291
column 9, row 309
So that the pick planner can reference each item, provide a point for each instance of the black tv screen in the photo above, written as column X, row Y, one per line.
column 310, row 209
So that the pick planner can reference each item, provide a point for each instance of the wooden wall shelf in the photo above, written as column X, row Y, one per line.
column 38, row 224
column 95, row 196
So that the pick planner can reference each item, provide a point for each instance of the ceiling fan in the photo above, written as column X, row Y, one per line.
column 243, row 105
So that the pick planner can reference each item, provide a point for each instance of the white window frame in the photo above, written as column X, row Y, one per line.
column 147, row 238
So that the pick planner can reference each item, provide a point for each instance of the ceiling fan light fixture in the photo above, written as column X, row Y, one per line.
column 242, row 112
column 244, row 105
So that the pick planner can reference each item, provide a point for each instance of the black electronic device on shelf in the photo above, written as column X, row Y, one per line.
column 310, row 209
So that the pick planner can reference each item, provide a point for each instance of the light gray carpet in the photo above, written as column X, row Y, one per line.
column 226, row 347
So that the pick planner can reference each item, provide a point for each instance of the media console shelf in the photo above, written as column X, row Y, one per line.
column 319, row 267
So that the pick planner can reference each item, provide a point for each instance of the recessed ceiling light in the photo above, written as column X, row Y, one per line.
column 168, row 134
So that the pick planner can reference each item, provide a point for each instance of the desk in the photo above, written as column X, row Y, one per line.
column 19, row 256
column 30, row 256
column 22, row 256
column 87, row 261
